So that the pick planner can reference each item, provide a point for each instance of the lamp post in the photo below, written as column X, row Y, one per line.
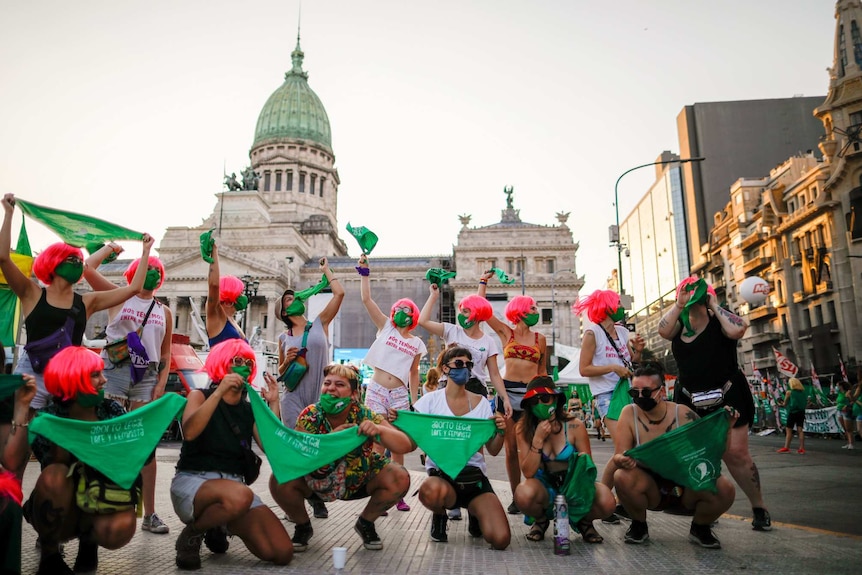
column 615, row 238
column 249, row 290
column 554, row 313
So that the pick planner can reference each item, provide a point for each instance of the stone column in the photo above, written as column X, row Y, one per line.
column 270, row 334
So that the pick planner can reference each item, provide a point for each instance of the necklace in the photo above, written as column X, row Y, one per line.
column 659, row 420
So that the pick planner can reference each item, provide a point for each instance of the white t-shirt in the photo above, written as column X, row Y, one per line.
column 130, row 318
column 481, row 349
column 606, row 355
column 435, row 404
column 394, row 354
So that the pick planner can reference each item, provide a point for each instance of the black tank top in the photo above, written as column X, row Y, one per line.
column 45, row 319
column 707, row 362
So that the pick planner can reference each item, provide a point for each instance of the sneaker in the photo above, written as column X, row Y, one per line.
column 612, row 519
column 847, row 446
column 800, row 451
column 216, row 540
column 703, row 536
column 88, row 557
column 621, row 512
column 455, row 514
column 301, row 536
column 189, row 549
column 783, row 450
column 319, row 508
column 438, row 528
column 402, row 506
column 762, row 521
column 366, row 530
column 53, row 564
column 638, row 532
column 513, row 509
column 473, row 527
column 154, row 524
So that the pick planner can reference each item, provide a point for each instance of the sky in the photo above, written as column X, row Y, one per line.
column 131, row 111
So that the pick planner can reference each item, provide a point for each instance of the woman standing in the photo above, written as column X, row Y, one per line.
column 844, row 404
column 796, row 400
column 705, row 353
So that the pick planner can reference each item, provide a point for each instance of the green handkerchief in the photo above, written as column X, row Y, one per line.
column 77, row 230
column 438, row 276
column 366, row 238
column 207, row 243
column 9, row 383
column 501, row 275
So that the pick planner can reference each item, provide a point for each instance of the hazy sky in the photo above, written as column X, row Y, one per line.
column 129, row 110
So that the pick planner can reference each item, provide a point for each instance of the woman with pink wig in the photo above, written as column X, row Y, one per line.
column 46, row 309
column 134, row 387
column 209, row 491
column 704, row 338
column 75, row 380
column 525, row 357
column 394, row 356
column 224, row 298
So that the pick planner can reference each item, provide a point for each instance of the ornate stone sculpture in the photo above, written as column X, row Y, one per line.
column 231, row 182
column 465, row 219
column 509, row 190
column 250, row 179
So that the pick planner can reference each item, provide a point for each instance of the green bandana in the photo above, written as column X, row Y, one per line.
column 501, row 275
column 152, row 280
column 244, row 371
column 579, row 486
column 544, row 410
column 9, row 384
column 438, row 276
column 531, row 319
column 116, row 447
column 619, row 399
column 700, row 292
column 332, row 405
column 464, row 322
column 689, row 455
column 618, row 314
column 69, row 271
column 93, row 248
column 77, row 229
column 241, row 303
column 295, row 308
column 313, row 290
column 366, row 238
column 449, row 441
column 402, row 319
column 207, row 243
column 90, row 399
column 291, row 453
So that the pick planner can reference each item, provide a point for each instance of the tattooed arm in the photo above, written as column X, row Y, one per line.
column 669, row 325
column 732, row 325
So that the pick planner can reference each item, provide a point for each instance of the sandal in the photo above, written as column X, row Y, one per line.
column 537, row 531
column 588, row 532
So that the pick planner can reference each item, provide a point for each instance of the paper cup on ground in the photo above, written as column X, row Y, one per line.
column 339, row 557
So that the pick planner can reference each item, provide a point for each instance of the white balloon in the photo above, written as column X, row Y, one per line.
column 754, row 290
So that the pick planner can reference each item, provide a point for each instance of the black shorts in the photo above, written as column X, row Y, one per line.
column 795, row 419
column 515, row 390
column 670, row 494
column 469, row 484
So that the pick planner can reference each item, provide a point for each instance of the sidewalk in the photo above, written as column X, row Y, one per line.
column 408, row 549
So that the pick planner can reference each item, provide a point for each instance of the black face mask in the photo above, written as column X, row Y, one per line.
column 646, row 403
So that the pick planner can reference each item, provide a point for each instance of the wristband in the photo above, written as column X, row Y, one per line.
column 365, row 272
column 483, row 282
column 334, row 279
column 16, row 425
column 676, row 303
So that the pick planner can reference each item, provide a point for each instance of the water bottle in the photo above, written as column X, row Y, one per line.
column 561, row 526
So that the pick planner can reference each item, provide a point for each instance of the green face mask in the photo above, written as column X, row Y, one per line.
column 91, row 399
column 531, row 319
column 618, row 314
column 331, row 405
column 241, row 303
column 295, row 308
column 464, row 322
column 244, row 371
column 69, row 271
column 402, row 319
column 152, row 280
column 544, row 410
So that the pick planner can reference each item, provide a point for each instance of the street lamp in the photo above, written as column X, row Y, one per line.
column 554, row 313
column 615, row 233
column 249, row 290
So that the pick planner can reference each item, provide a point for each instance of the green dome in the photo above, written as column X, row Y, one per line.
column 294, row 110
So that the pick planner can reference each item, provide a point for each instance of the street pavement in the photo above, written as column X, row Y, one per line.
column 814, row 500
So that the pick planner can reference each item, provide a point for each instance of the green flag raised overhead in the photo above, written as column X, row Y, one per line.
column 366, row 238
column 689, row 455
column 77, row 229
column 501, row 275
column 292, row 453
column 313, row 290
column 116, row 447
column 207, row 243
column 450, row 441
column 438, row 276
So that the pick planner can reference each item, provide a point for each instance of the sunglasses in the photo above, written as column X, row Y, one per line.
column 645, row 392
column 546, row 398
column 459, row 363
column 242, row 361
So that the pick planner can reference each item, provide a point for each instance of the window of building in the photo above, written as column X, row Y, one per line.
column 265, row 321
column 550, row 265
column 855, row 118
column 322, row 186
column 301, row 182
column 857, row 42
column 520, row 266
column 791, row 206
column 510, row 266
column 830, row 309
column 313, row 183
column 278, row 181
column 289, row 185
column 547, row 316
column 818, row 315
column 842, row 52
column 267, row 177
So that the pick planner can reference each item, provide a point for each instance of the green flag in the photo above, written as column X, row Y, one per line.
column 579, row 486
column 450, row 441
column 700, row 289
column 77, row 229
column 292, row 453
column 207, row 243
column 116, row 447
column 501, row 275
column 438, row 276
column 583, row 391
column 689, row 455
column 10, row 383
column 619, row 399
column 315, row 289
column 366, row 238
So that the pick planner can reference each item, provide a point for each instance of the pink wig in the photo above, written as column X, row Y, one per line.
column 230, row 288
column 220, row 360
column 690, row 280
column 519, row 307
column 10, row 488
column 52, row 256
column 480, row 308
column 68, row 373
column 414, row 312
column 152, row 261
column 598, row 305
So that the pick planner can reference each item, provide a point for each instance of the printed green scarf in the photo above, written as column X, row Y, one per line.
column 501, row 275
column 438, row 276
column 78, row 230
column 365, row 237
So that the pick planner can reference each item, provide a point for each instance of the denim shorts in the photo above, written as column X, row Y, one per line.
column 380, row 399
column 185, row 485
column 42, row 397
column 603, row 402
column 120, row 386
